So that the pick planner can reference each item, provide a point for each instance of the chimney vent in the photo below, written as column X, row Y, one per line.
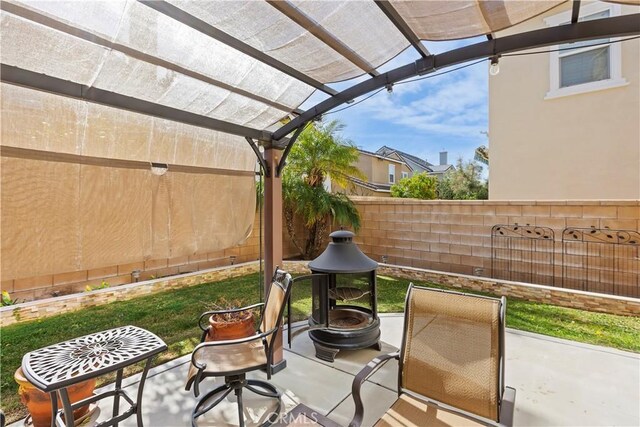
column 443, row 158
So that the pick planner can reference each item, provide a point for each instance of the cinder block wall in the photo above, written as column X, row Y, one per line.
column 455, row 236
column 444, row 235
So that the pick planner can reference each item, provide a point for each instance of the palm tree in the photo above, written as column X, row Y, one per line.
column 320, row 152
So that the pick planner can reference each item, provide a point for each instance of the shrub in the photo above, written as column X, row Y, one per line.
column 419, row 186
column 463, row 183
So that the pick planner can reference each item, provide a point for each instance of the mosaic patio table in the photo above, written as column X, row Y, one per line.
column 54, row 368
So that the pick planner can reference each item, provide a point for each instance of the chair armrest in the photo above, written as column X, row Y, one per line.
column 232, row 310
column 365, row 373
column 206, row 344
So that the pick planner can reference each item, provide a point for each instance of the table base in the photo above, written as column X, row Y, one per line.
column 135, row 407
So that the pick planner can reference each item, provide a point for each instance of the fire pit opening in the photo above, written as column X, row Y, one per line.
column 344, row 306
column 346, row 318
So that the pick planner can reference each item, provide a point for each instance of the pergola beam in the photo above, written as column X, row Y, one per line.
column 297, row 16
column 575, row 11
column 30, row 79
column 189, row 20
column 618, row 26
column 403, row 27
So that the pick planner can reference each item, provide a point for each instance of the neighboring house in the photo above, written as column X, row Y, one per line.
column 566, row 124
column 387, row 166
column 416, row 164
column 381, row 172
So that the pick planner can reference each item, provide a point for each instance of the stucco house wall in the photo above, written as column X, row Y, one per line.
column 580, row 146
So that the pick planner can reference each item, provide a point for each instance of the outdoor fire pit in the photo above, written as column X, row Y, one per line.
column 344, row 308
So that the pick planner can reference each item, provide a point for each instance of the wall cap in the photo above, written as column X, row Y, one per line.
column 119, row 288
column 489, row 280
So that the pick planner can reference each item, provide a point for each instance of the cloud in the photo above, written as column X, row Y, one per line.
column 452, row 104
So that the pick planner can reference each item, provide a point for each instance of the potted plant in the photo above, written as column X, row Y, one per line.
column 229, row 326
column 39, row 403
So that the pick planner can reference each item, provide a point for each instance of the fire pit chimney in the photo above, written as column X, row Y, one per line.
column 342, row 256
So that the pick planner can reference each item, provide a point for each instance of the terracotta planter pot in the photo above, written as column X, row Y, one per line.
column 39, row 403
column 230, row 330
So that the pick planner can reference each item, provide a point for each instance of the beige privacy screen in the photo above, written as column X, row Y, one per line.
column 79, row 192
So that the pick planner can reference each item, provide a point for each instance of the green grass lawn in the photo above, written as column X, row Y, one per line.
column 172, row 316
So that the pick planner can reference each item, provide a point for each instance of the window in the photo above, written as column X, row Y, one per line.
column 589, row 65
column 392, row 174
column 405, row 175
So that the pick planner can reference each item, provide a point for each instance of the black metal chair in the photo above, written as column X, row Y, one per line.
column 232, row 359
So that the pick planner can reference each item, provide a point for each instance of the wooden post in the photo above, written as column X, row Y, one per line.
column 273, row 237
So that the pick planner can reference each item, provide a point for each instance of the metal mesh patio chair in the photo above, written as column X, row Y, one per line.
column 232, row 359
column 451, row 363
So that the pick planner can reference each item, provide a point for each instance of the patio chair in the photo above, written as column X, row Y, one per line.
column 232, row 359
column 451, row 363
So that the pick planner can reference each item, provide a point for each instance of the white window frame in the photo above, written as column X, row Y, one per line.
column 392, row 173
column 404, row 174
column 615, row 56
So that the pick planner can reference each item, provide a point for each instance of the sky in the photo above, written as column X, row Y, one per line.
column 422, row 118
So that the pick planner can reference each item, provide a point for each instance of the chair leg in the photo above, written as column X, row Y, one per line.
column 224, row 389
column 236, row 384
column 240, row 408
column 272, row 391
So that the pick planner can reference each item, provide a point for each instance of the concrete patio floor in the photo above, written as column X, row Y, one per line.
column 558, row 382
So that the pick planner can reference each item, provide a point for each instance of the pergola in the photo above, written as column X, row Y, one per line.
column 243, row 68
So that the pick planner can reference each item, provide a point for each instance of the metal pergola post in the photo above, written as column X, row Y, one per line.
column 273, row 236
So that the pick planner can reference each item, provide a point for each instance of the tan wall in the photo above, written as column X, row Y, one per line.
column 365, row 164
column 445, row 235
column 381, row 170
column 583, row 146
column 377, row 169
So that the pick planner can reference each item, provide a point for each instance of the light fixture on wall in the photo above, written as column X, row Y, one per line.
column 494, row 69
column 135, row 275
column 384, row 259
column 233, row 259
